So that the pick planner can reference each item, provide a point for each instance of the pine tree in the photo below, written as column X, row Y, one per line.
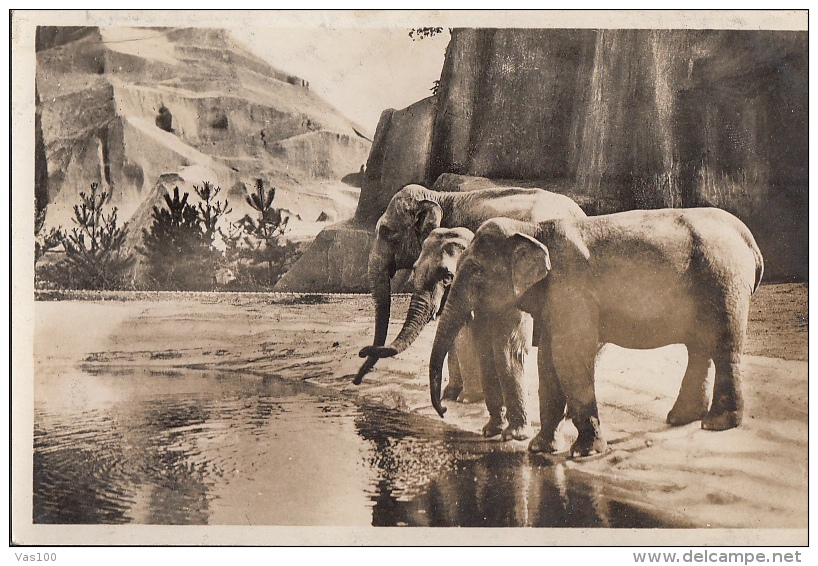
column 44, row 241
column 179, row 245
column 269, row 256
column 94, row 259
column 210, row 209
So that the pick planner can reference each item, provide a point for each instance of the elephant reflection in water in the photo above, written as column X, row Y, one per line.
column 442, row 481
column 502, row 489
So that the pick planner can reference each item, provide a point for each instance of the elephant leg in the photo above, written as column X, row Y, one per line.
column 491, row 384
column 693, row 399
column 552, row 400
column 727, row 408
column 574, row 347
column 510, row 344
column 468, row 367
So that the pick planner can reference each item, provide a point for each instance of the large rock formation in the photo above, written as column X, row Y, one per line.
column 124, row 107
column 401, row 150
column 617, row 119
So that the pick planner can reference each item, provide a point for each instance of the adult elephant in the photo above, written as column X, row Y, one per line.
column 638, row 279
column 415, row 211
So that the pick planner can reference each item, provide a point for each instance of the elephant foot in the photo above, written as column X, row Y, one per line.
column 722, row 421
column 679, row 416
column 520, row 432
column 545, row 443
column 470, row 396
column 588, row 445
column 452, row 392
column 494, row 427
column 589, row 441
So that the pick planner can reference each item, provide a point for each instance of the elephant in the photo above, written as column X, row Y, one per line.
column 482, row 345
column 640, row 279
column 432, row 274
column 414, row 211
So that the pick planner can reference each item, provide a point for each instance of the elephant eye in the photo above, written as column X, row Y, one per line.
column 386, row 232
column 453, row 248
column 445, row 276
column 479, row 274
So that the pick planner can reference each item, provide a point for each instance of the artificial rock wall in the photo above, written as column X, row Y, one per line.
column 617, row 119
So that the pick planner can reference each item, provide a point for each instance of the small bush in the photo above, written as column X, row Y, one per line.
column 179, row 245
column 93, row 257
column 257, row 253
column 45, row 242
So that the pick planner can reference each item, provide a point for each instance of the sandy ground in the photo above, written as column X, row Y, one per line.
column 751, row 477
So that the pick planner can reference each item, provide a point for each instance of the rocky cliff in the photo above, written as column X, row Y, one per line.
column 617, row 119
column 131, row 108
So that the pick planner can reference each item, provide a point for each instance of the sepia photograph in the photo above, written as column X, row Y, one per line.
column 311, row 278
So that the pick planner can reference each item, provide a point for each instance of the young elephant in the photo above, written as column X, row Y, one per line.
column 638, row 279
column 486, row 359
column 432, row 275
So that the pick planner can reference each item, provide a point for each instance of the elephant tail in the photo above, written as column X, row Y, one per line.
column 751, row 243
column 759, row 269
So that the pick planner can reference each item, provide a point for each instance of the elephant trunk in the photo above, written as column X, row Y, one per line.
column 421, row 310
column 380, row 271
column 456, row 313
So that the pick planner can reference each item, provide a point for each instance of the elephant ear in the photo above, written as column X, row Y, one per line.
column 428, row 217
column 530, row 263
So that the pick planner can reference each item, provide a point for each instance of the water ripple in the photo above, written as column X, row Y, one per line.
column 199, row 448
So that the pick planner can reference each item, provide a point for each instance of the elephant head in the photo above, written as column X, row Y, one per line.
column 433, row 275
column 496, row 272
column 409, row 218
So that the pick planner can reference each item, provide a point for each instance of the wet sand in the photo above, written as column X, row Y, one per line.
column 753, row 477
